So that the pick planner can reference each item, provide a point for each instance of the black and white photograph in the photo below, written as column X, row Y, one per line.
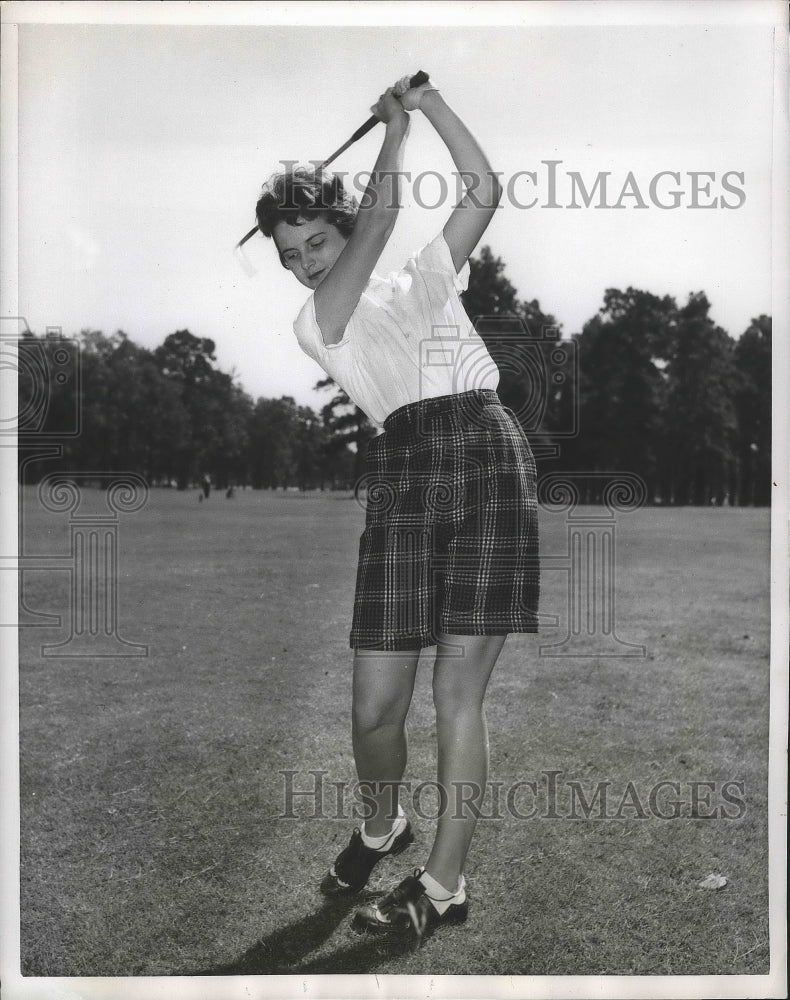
column 394, row 499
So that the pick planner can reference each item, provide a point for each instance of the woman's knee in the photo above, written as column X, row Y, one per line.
column 370, row 714
column 453, row 699
column 461, row 674
column 382, row 691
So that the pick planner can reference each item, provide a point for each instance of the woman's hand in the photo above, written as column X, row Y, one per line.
column 389, row 109
column 410, row 97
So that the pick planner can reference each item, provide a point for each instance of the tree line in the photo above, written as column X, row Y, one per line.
column 648, row 386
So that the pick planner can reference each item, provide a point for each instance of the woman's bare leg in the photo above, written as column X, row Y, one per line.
column 463, row 667
column 382, row 691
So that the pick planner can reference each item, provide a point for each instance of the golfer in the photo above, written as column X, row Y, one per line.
column 448, row 557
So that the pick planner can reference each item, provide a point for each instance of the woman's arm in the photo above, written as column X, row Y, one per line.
column 337, row 296
column 473, row 213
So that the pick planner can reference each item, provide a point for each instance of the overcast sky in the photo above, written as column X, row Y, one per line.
column 142, row 148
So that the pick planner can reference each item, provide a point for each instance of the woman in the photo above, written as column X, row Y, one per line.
column 448, row 556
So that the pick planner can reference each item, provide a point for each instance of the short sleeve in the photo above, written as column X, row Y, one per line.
column 306, row 329
column 436, row 256
column 308, row 332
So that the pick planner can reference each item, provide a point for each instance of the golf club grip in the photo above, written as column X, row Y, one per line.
column 416, row 81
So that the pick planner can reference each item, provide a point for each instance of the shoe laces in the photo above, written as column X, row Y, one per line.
column 404, row 893
column 354, row 848
column 404, row 898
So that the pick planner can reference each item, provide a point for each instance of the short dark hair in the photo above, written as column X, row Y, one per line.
column 302, row 193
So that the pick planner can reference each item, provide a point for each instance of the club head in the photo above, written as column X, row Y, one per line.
column 246, row 264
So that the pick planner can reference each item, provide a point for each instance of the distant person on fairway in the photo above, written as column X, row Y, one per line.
column 448, row 556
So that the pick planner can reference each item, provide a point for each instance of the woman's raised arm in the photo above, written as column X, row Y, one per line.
column 473, row 213
column 337, row 296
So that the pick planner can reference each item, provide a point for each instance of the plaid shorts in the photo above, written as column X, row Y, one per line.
column 451, row 531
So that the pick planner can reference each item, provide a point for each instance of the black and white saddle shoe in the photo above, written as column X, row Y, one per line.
column 352, row 867
column 407, row 909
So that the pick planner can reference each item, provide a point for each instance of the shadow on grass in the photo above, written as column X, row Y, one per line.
column 285, row 950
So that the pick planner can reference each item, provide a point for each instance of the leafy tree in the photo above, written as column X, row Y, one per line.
column 271, row 431
column 489, row 292
column 218, row 410
column 49, row 400
column 622, row 359
column 700, row 412
column 128, row 415
column 230, row 460
column 133, row 405
column 315, row 463
column 346, row 425
column 752, row 358
column 47, row 384
column 663, row 392
column 186, row 358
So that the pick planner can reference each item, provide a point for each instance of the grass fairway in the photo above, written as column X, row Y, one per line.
column 153, row 837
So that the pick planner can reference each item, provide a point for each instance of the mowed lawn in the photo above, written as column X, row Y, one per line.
column 154, row 835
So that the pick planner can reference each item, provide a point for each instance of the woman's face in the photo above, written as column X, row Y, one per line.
column 309, row 248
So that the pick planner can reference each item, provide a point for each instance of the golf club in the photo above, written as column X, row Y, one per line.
column 417, row 80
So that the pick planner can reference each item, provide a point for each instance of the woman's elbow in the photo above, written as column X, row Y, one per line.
column 487, row 193
column 378, row 223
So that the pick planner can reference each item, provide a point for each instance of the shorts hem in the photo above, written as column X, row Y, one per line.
column 398, row 644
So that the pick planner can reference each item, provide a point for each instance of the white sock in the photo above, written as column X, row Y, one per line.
column 384, row 843
column 439, row 896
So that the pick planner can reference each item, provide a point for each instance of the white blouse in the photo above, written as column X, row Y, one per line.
column 409, row 338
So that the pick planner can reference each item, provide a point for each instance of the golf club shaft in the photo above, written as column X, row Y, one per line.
column 416, row 81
